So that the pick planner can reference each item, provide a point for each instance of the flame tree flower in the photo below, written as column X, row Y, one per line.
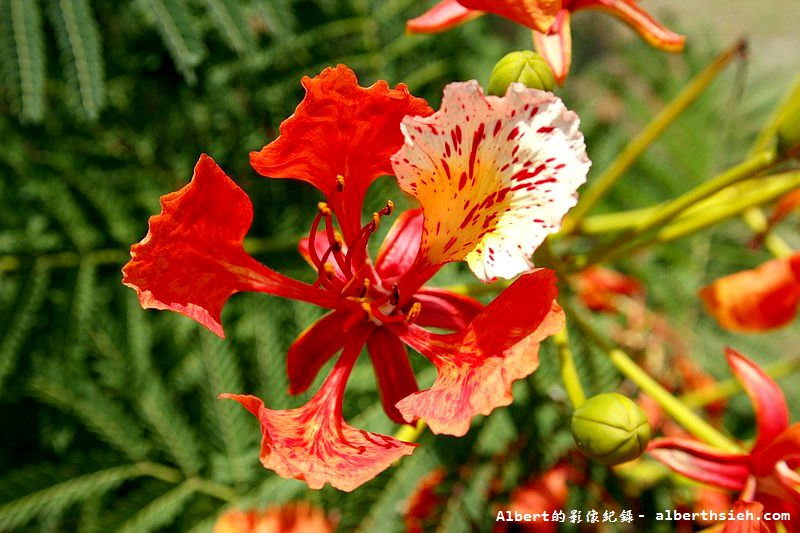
column 293, row 517
column 766, row 477
column 493, row 176
column 760, row 299
column 550, row 22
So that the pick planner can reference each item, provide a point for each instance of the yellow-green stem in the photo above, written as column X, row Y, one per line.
column 410, row 433
column 745, row 170
column 569, row 372
column 601, row 185
column 674, row 407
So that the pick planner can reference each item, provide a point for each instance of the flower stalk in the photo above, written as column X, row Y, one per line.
column 603, row 183
column 569, row 372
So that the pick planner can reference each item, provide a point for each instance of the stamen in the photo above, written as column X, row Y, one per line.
column 336, row 241
column 339, row 183
column 323, row 209
column 389, row 209
column 367, row 307
column 365, row 289
column 413, row 313
column 395, row 299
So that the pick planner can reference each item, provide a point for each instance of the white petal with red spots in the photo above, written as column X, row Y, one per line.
column 494, row 175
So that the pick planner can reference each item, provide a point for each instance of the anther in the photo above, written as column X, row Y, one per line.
column 395, row 299
column 330, row 270
column 365, row 284
column 413, row 313
column 386, row 211
column 323, row 208
column 376, row 219
column 367, row 308
column 339, row 183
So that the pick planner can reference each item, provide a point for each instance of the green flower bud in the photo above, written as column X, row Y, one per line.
column 525, row 67
column 611, row 429
column 789, row 126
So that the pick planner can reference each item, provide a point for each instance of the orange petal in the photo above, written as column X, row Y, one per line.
column 535, row 14
column 599, row 287
column 764, row 298
column 443, row 16
column 555, row 45
column 494, row 175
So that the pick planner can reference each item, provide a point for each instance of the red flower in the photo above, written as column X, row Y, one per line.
column 340, row 138
column 760, row 299
column 294, row 517
column 765, row 477
column 599, row 288
column 549, row 20
column 423, row 502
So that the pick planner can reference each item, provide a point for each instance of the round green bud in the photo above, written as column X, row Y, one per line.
column 789, row 126
column 525, row 67
column 611, row 429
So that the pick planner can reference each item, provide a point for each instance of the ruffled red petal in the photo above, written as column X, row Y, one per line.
column 760, row 299
column 445, row 309
column 340, row 130
column 443, row 16
column 399, row 249
column 313, row 443
column 772, row 413
column 477, row 365
column 702, row 463
column 395, row 376
column 535, row 14
column 192, row 259
column 313, row 348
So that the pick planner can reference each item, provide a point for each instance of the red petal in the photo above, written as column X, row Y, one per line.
column 702, row 463
column 629, row 12
column 760, row 299
column 399, row 249
column 192, row 259
column 313, row 348
column 555, row 45
column 443, row 16
column 395, row 377
column 313, row 443
column 340, row 129
column 756, row 525
column 599, row 287
column 445, row 309
column 535, row 14
column 772, row 413
column 783, row 448
column 477, row 365
column 544, row 494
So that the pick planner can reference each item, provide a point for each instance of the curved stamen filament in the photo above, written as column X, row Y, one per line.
column 322, row 210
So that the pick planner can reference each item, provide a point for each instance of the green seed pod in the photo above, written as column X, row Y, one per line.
column 611, row 429
column 525, row 67
column 789, row 126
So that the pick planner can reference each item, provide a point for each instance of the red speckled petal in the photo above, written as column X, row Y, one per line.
column 443, row 16
column 399, row 249
column 535, row 14
column 340, row 129
column 494, row 176
column 396, row 379
column 477, row 365
column 192, row 259
column 759, row 299
column 313, row 443
column 445, row 309
column 555, row 45
column 629, row 12
column 701, row 462
column 772, row 413
column 313, row 348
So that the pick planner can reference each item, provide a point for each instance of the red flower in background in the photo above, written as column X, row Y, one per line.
column 550, row 22
column 598, row 288
column 494, row 177
column 766, row 477
column 294, row 517
column 543, row 494
column 421, row 505
column 761, row 299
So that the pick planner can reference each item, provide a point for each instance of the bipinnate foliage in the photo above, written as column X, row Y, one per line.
column 110, row 411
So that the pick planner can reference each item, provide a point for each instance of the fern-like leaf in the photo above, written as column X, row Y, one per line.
column 22, row 56
column 78, row 38
column 231, row 22
column 177, row 28
column 161, row 511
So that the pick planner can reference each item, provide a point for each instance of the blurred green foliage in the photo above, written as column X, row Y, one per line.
column 110, row 412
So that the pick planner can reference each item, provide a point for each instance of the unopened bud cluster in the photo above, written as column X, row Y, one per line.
column 610, row 429
column 525, row 67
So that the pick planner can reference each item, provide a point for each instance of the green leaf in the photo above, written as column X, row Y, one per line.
column 22, row 57
column 78, row 38
column 161, row 511
column 232, row 24
column 178, row 29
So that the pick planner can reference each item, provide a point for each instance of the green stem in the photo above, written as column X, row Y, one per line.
column 569, row 372
column 164, row 473
column 212, row 488
column 601, row 185
column 410, row 433
column 729, row 387
column 745, row 170
column 679, row 411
